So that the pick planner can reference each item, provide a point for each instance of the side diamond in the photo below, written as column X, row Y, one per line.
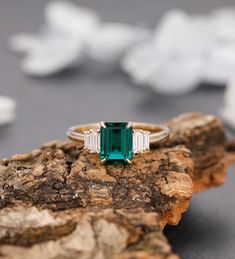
column 146, row 140
column 86, row 139
column 92, row 140
column 140, row 141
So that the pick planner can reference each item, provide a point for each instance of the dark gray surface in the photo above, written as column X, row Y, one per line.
column 48, row 106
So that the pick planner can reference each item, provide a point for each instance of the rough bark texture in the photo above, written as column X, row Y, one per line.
column 63, row 176
column 32, row 233
column 59, row 201
column 204, row 136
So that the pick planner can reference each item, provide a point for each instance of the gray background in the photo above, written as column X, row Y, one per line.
column 48, row 106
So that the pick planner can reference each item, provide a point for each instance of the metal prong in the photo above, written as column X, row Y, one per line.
column 102, row 124
column 129, row 124
column 128, row 161
column 103, row 161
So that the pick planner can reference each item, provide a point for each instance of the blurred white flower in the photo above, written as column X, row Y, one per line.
column 47, row 53
column 71, row 19
column 174, row 75
column 228, row 111
column 72, row 33
column 184, row 51
column 7, row 110
column 60, row 43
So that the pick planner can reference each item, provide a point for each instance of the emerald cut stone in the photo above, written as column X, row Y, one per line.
column 116, row 142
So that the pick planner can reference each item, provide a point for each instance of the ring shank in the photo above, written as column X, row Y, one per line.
column 157, row 132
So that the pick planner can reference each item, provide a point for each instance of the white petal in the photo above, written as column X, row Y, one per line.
column 181, row 34
column 176, row 76
column 220, row 64
column 68, row 17
column 227, row 112
column 7, row 110
column 23, row 42
column 223, row 21
column 139, row 62
column 52, row 55
column 165, row 74
column 111, row 41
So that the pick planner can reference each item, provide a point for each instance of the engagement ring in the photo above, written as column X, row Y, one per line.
column 117, row 142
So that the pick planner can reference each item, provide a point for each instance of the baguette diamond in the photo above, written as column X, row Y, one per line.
column 140, row 141
column 92, row 140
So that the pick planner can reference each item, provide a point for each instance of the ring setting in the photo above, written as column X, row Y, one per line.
column 117, row 142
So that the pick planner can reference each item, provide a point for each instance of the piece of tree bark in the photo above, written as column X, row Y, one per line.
column 204, row 136
column 32, row 233
column 63, row 176
column 56, row 181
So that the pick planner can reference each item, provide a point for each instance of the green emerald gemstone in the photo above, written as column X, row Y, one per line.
column 116, row 142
